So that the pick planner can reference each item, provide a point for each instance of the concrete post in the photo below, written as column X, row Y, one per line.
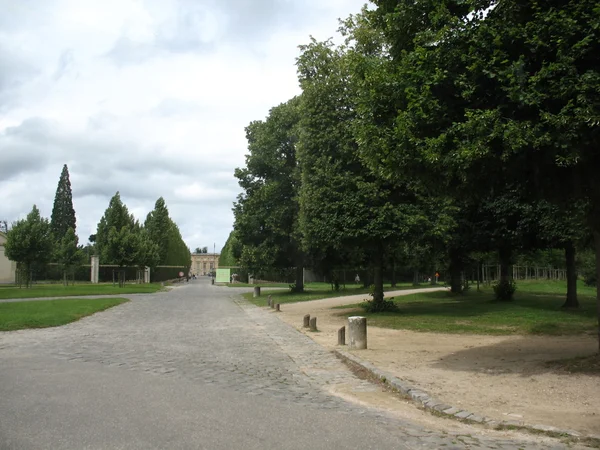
column 277, row 307
column 306, row 322
column 256, row 291
column 357, row 332
column 313, row 324
column 269, row 301
column 95, row 269
column 342, row 336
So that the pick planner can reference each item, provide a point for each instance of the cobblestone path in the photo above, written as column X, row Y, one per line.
column 195, row 341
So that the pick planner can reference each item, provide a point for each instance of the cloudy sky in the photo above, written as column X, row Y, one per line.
column 146, row 97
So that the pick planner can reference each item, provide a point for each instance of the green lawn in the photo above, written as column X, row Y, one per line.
column 51, row 313
column 315, row 291
column 58, row 290
column 535, row 310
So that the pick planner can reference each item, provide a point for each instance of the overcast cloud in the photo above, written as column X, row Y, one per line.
column 146, row 97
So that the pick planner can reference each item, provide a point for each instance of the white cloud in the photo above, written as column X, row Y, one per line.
column 146, row 97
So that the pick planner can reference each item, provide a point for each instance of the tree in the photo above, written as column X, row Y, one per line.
column 158, row 224
column 69, row 255
column 116, row 216
column 147, row 252
column 121, row 248
column 231, row 251
column 29, row 243
column 266, row 212
column 63, row 214
column 345, row 204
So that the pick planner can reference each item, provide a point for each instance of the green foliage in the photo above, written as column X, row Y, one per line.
column 373, row 306
column 63, row 214
column 266, row 212
column 172, row 250
column 69, row 254
column 147, row 253
column 231, row 251
column 30, row 243
column 115, row 217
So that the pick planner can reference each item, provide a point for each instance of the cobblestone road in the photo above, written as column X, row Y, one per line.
column 192, row 338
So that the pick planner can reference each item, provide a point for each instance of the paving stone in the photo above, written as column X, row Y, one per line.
column 227, row 342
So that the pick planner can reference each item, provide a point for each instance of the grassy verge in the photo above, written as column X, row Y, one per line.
column 316, row 291
column 51, row 313
column 535, row 310
column 58, row 290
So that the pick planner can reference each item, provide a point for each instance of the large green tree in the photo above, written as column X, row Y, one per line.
column 69, row 254
column 116, row 216
column 158, row 224
column 63, row 214
column 266, row 212
column 30, row 244
column 345, row 205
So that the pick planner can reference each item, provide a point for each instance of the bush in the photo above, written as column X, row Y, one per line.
column 373, row 306
column 505, row 290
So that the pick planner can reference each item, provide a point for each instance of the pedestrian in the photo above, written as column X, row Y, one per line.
column 357, row 279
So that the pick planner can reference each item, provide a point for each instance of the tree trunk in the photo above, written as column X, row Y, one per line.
column 299, row 278
column 393, row 280
column 571, row 301
column 597, row 241
column 378, row 278
column 505, row 292
column 456, row 285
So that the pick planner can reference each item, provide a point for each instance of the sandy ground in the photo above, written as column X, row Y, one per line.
column 502, row 377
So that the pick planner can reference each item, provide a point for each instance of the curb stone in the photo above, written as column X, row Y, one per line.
column 430, row 403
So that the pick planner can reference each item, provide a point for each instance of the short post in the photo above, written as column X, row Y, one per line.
column 272, row 304
column 269, row 301
column 357, row 332
column 306, row 322
column 256, row 291
column 313, row 324
column 342, row 336
column 277, row 307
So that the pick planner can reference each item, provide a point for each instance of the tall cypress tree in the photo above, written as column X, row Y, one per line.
column 63, row 214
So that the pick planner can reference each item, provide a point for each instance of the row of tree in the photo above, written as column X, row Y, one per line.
column 437, row 133
column 120, row 239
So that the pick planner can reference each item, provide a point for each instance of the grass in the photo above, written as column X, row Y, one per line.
column 535, row 310
column 51, row 313
column 316, row 291
column 58, row 290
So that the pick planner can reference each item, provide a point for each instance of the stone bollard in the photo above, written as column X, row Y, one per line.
column 313, row 324
column 269, row 301
column 277, row 307
column 256, row 291
column 357, row 332
column 342, row 336
column 306, row 322
column 272, row 304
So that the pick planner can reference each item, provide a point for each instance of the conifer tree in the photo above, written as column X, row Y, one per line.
column 63, row 214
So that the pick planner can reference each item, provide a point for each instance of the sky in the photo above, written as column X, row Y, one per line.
column 146, row 97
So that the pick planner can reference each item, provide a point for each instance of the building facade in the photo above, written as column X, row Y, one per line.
column 204, row 263
column 7, row 267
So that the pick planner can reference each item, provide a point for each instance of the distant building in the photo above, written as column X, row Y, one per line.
column 7, row 267
column 204, row 263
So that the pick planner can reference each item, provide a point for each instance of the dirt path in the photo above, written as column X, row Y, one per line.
column 503, row 377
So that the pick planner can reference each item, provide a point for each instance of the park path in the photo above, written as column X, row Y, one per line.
column 195, row 367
